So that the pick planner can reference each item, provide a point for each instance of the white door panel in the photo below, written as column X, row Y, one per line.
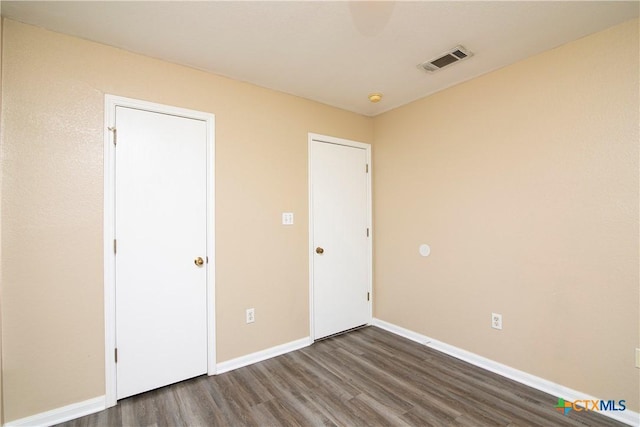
column 340, row 212
column 160, row 227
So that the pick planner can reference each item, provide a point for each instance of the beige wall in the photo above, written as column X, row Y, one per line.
column 525, row 184
column 1, row 126
column 52, row 201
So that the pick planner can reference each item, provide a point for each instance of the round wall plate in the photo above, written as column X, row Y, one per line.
column 424, row 249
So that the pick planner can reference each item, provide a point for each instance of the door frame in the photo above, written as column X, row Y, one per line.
column 313, row 137
column 110, row 104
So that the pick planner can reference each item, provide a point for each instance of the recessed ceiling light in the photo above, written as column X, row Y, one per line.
column 375, row 97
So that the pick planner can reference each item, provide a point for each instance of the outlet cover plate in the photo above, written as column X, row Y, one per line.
column 496, row 321
column 251, row 315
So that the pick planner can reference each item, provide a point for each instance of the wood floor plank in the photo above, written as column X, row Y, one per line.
column 367, row 377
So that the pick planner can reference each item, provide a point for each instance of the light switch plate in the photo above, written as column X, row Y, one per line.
column 287, row 218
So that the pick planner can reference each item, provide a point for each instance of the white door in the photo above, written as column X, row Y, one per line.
column 340, row 236
column 160, row 230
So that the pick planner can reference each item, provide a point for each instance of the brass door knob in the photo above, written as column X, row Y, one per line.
column 198, row 261
column 319, row 250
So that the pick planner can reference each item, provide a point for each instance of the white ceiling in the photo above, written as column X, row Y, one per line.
column 332, row 52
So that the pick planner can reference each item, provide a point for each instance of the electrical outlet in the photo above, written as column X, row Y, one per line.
column 496, row 321
column 638, row 358
column 251, row 315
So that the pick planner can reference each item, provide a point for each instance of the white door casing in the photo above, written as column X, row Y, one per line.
column 159, row 207
column 339, row 224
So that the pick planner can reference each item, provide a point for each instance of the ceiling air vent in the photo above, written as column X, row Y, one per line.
column 457, row 54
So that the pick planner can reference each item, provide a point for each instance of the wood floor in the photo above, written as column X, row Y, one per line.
column 368, row 377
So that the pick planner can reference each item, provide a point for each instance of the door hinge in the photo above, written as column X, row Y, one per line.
column 115, row 135
column 367, row 168
column 368, row 296
column 115, row 246
column 367, row 231
column 116, row 355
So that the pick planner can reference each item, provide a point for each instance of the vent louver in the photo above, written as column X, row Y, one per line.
column 457, row 54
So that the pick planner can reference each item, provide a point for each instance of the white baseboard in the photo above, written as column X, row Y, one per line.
column 259, row 356
column 628, row 417
column 80, row 409
column 60, row 415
